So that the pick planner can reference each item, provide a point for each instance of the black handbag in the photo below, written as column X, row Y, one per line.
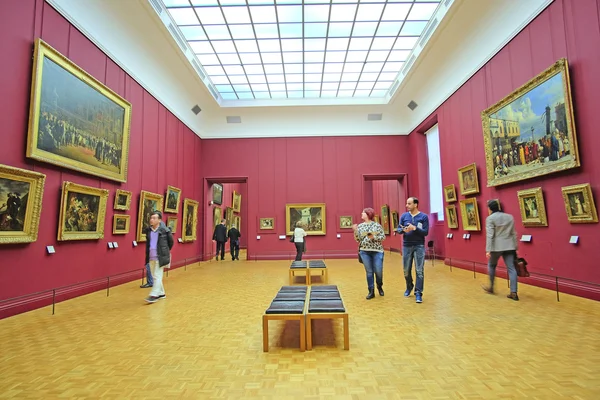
column 292, row 238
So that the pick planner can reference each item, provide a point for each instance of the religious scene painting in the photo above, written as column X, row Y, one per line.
column 470, row 215
column 21, row 194
column 531, row 132
column 82, row 212
column 149, row 202
column 311, row 217
column 76, row 122
column 533, row 209
column 579, row 204
column 172, row 200
column 190, row 220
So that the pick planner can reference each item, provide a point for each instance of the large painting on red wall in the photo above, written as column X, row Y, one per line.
column 531, row 132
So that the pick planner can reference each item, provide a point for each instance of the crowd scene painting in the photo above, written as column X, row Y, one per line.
column 14, row 196
column 310, row 217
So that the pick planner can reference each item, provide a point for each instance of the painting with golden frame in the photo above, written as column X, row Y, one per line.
column 21, row 193
column 217, row 216
column 149, row 202
column 395, row 220
column 82, row 212
column 470, row 215
column 531, row 132
column 120, row 224
column 376, row 219
column 122, row 200
column 452, row 217
column 346, row 222
column 172, row 197
column 385, row 219
column 579, row 204
column 172, row 224
column 75, row 121
column 533, row 209
column 311, row 215
column 237, row 221
column 228, row 217
column 236, row 202
column 190, row 220
column 467, row 179
column 266, row 223
column 450, row 193
column 217, row 193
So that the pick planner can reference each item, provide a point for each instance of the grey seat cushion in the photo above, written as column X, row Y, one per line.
column 293, row 289
column 323, row 306
column 285, row 307
column 324, row 288
column 325, row 295
column 300, row 296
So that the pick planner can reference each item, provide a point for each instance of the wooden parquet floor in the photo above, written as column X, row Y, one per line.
column 205, row 341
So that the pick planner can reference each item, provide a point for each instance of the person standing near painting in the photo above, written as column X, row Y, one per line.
column 414, row 225
column 501, row 241
column 234, row 236
column 299, row 235
column 220, row 236
column 159, row 242
column 369, row 235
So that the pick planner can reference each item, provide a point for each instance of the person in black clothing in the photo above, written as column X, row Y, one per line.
column 220, row 236
column 234, row 242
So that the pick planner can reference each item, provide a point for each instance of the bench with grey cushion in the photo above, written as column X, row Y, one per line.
column 325, row 302
column 290, row 304
column 319, row 266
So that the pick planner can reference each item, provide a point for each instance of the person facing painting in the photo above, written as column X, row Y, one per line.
column 299, row 235
column 369, row 234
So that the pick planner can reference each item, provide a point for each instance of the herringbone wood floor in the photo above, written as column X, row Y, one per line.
column 205, row 342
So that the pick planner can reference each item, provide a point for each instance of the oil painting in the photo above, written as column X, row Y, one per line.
column 309, row 216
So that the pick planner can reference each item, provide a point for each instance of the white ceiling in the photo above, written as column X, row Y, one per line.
column 133, row 35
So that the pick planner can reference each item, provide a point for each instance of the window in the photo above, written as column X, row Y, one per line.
column 436, row 199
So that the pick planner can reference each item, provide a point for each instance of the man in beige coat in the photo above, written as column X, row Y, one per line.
column 501, row 240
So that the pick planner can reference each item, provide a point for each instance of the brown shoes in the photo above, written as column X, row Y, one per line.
column 513, row 296
column 488, row 289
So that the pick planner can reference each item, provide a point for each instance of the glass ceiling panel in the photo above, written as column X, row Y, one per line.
column 264, row 49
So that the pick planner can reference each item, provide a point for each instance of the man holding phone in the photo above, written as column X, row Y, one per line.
column 414, row 225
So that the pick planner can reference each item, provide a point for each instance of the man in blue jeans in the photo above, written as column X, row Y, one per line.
column 149, row 279
column 414, row 225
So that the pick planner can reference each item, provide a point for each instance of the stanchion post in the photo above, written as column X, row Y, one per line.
column 557, row 292
column 53, row 300
column 107, row 285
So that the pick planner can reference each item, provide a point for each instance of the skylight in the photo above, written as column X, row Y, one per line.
column 278, row 49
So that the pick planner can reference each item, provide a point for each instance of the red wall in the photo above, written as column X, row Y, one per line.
column 303, row 170
column 228, row 188
column 567, row 28
column 162, row 152
column 390, row 192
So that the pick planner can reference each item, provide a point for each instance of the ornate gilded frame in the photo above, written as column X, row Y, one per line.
column 194, row 220
column 217, row 216
column 452, row 210
column 462, row 173
column 237, row 221
column 318, row 207
column 464, row 204
column 176, row 191
column 535, row 216
column 143, row 225
column 385, row 219
column 33, row 207
column 236, row 201
column 572, row 195
column 450, row 193
column 42, row 52
column 493, row 123
column 346, row 222
column 127, row 204
column 117, row 231
column 98, row 233
column 395, row 220
column 262, row 226
column 172, row 223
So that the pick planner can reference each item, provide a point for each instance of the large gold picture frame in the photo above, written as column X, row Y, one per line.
column 531, row 132
column 75, row 121
column 121, row 224
column 452, row 217
column 190, row 220
column 533, row 209
column 149, row 202
column 82, row 212
column 217, row 216
column 579, row 204
column 236, row 202
column 311, row 215
column 122, row 200
column 172, row 198
column 468, row 180
column 470, row 215
column 21, row 193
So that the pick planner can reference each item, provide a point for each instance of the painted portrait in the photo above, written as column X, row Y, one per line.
column 311, row 217
column 395, row 220
column 451, row 217
column 190, row 220
column 532, row 207
column 236, row 202
column 217, row 193
column 82, row 212
column 467, row 178
column 172, row 224
column 450, row 193
column 21, row 194
column 149, row 202
column 470, row 215
column 385, row 219
column 531, row 132
column 76, row 121
column 172, row 199
column 217, row 216
column 579, row 204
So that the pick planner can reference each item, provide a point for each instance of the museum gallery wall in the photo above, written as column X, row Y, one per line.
column 560, row 31
column 162, row 152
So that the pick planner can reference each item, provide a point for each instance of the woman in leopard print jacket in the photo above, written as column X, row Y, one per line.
column 369, row 234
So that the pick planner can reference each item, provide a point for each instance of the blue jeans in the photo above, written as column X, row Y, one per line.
column 373, row 262
column 509, row 260
column 149, row 278
column 416, row 253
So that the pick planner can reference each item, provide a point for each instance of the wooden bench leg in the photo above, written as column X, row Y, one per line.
column 346, row 333
column 303, row 333
column 265, row 334
column 308, row 333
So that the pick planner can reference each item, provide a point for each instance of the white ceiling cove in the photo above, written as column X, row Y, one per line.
column 276, row 98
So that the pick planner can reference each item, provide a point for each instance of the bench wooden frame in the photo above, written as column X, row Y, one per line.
column 305, row 273
column 287, row 317
column 324, row 276
column 326, row 315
